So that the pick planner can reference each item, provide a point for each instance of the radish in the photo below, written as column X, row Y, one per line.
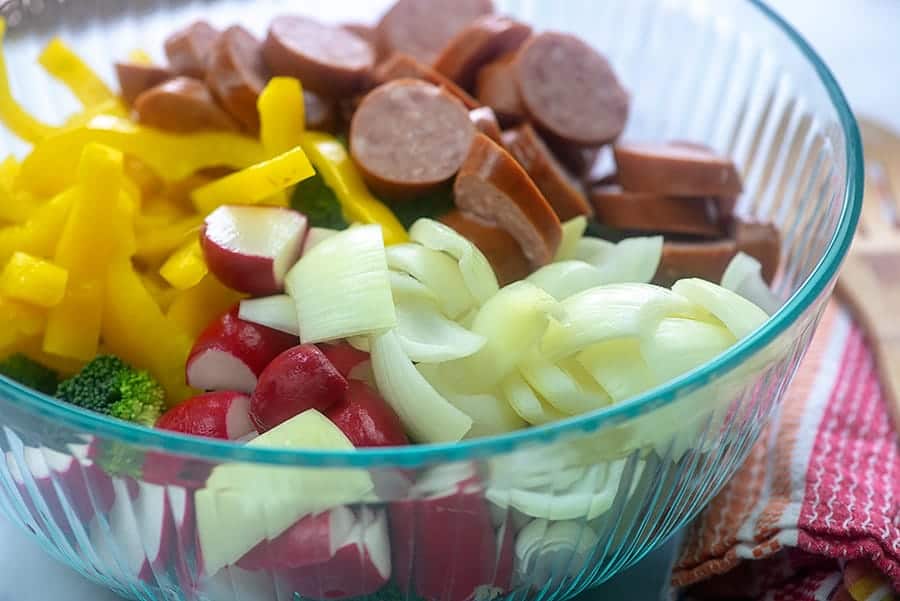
column 82, row 485
column 277, row 312
column 251, row 248
column 231, row 353
column 360, row 566
column 366, row 418
column 299, row 379
column 224, row 414
column 343, row 356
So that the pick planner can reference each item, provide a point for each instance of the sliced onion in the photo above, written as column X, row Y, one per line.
column 523, row 400
column 744, row 276
column 436, row 271
column 425, row 414
column 738, row 314
column 360, row 343
column 404, row 285
column 679, row 345
column 566, row 278
column 561, row 389
column 549, row 550
column 490, row 414
column 336, row 278
column 593, row 251
column 474, row 266
column 619, row 367
column 572, row 232
column 634, row 260
column 277, row 312
column 428, row 337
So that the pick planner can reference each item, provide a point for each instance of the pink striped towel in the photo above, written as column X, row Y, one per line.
column 814, row 513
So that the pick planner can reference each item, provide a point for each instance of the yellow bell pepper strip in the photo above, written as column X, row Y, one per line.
column 149, row 184
column 15, row 206
column 135, row 329
column 160, row 290
column 63, row 64
column 27, row 320
column 194, row 309
column 331, row 160
column 51, row 166
column 112, row 108
column 255, row 183
column 282, row 115
column 186, row 267
column 38, row 235
column 139, row 56
column 93, row 232
column 64, row 366
column 33, row 280
column 16, row 118
column 155, row 245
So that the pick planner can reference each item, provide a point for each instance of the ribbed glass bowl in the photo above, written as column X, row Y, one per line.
column 542, row 513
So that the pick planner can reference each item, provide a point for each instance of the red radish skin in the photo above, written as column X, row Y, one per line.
column 299, row 379
column 251, row 248
column 343, row 356
column 224, row 414
column 366, row 418
column 231, row 353
column 313, row 540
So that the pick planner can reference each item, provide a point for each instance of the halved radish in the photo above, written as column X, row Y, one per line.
column 343, row 356
column 224, row 414
column 313, row 540
column 366, row 418
column 299, row 379
column 360, row 566
column 277, row 312
column 251, row 248
column 231, row 353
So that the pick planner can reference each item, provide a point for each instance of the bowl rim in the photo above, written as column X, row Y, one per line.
column 816, row 284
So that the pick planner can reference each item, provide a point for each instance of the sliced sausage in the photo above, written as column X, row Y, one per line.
column 367, row 33
column 237, row 74
column 501, row 250
column 321, row 113
column 494, row 188
column 327, row 59
column 561, row 190
column 188, row 49
column 421, row 28
column 676, row 170
column 135, row 78
column 706, row 260
column 402, row 66
column 761, row 241
column 409, row 136
column 182, row 105
column 653, row 213
column 486, row 122
column 579, row 160
column 479, row 43
column 496, row 87
column 570, row 90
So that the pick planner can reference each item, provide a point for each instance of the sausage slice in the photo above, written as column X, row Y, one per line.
column 486, row 122
column 493, row 187
column 409, row 136
column 676, row 170
column 182, row 105
column 570, row 90
column 327, row 59
column 579, row 160
column 479, row 43
column 707, row 260
column 237, row 74
column 560, row 189
column 501, row 250
column 135, row 78
column 496, row 87
column 421, row 28
column 188, row 49
column 653, row 213
column 367, row 33
column 401, row 66
column 321, row 113
column 761, row 241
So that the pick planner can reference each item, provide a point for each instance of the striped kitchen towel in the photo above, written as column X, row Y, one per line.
column 814, row 513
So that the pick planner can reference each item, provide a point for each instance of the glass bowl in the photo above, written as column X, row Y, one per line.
column 543, row 513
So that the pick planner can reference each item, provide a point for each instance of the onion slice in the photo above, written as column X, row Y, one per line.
column 567, row 278
column 437, row 271
column 744, row 276
column 738, row 314
column 572, row 232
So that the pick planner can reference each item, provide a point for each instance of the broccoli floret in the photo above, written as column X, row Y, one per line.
column 118, row 459
column 34, row 375
column 433, row 205
column 110, row 386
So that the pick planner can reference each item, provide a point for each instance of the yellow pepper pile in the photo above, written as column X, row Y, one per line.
column 99, row 223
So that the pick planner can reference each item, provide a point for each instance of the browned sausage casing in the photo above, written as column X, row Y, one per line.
column 182, row 105
column 421, row 28
column 403, row 66
column 479, row 43
column 676, row 170
column 409, row 136
column 486, row 122
column 493, row 187
column 706, row 260
column 496, row 87
column 135, row 78
column 237, row 74
column 579, row 160
column 501, row 250
column 570, row 90
column 654, row 213
column 188, row 49
column 327, row 59
column 560, row 189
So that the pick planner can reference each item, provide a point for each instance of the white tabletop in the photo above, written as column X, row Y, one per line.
column 857, row 38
